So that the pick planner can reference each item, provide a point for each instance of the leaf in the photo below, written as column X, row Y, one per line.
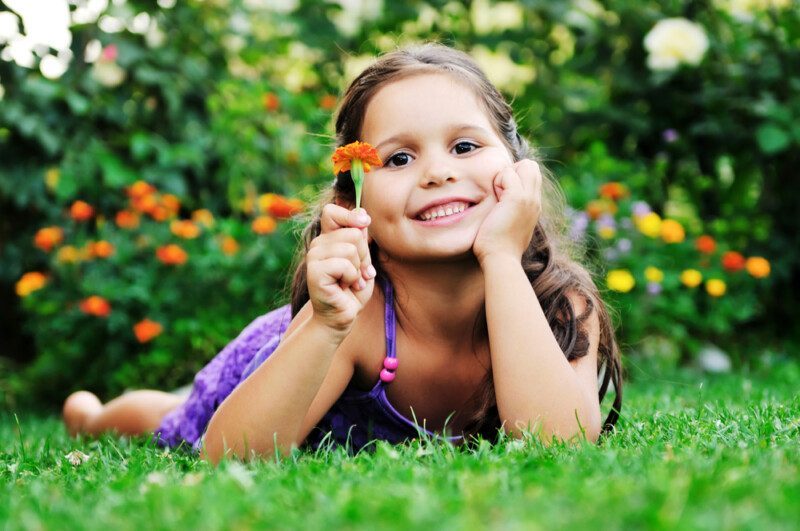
column 115, row 173
column 771, row 138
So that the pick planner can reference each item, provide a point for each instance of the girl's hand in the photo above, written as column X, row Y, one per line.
column 508, row 228
column 339, row 273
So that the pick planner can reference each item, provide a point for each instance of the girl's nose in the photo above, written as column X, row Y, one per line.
column 437, row 173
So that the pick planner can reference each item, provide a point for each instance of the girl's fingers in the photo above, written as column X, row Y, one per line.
column 335, row 217
column 530, row 175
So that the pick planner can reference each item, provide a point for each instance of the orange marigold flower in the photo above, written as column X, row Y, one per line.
column 101, row 249
column 613, row 191
column 691, row 278
column 598, row 207
column 145, row 203
column 716, row 287
column 672, row 231
column 328, row 102
column 271, row 101
column 733, row 261
column 264, row 225
column 95, row 305
column 344, row 156
column 229, row 246
column 172, row 254
column 758, row 266
column 204, row 217
column 69, row 255
column 184, row 228
column 161, row 213
column 145, row 330
column 279, row 206
column 81, row 211
column 30, row 282
column 140, row 189
column 126, row 219
column 171, row 203
column 48, row 237
column 705, row 244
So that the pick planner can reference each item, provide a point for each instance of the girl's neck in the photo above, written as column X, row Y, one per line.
column 438, row 303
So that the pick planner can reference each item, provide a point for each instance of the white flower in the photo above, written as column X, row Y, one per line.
column 108, row 73
column 53, row 67
column 76, row 457
column 673, row 41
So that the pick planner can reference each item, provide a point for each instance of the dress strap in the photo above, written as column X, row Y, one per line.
column 390, row 325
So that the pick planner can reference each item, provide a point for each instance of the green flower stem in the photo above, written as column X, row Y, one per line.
column 357, row 174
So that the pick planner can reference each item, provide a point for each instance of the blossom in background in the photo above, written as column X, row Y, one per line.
column 146, row 330
column 95, row 305
column 140, row 189
column 758, row 266
column 106, row 71
column 328, row 102
column 229, row 246
column 76, row 457
column 271, row 101
column 100, row 249
column 606, row 226
column 126, row 219
column 48, row 237
column 670, row 136
column 691, row 278
column 30, row 282
column 672, row 231
column 184, row 229
column 613, row 191
column 649, row 224
column 264, row 225
column 278, row 206
column 69, row 254
column 640, row 209
column 624, row 245
column 653, row 275
column 81, row 211
column 705, row 244
column 716, row 287
column 675, row 41
column 203, row 217
column 654, row 288
column 580, row 221
column 733, row 261
column 171, row 254
column 620, row 280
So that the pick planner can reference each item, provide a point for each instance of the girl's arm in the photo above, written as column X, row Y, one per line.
column 534, row 383
column 277, row 406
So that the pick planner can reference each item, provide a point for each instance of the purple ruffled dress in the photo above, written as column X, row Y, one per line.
column 361, row 416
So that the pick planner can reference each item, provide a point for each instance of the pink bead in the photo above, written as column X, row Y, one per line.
column 387, row 376
column 390, row 363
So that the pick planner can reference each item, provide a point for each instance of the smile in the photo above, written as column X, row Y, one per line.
column 447, row 216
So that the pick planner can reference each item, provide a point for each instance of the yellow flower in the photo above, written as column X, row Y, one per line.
column 654, row 274
column 672, row 231
column 30, row 282
column 715, row 287
column 51, row 178
column 606, row 232
column 203, row 217
column 758, row 266
column 68, row 255
column 691, row 278
column 649, row 225
column 620, row 280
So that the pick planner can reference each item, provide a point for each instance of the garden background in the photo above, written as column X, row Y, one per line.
column 156, row 159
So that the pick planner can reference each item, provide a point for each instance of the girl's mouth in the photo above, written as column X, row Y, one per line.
column 445, row 218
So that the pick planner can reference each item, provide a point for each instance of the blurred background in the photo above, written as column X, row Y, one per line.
column 156, row 159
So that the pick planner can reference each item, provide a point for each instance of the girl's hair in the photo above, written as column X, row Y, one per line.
column 550, row 261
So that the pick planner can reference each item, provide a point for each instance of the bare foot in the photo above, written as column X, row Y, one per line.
column 78, row 407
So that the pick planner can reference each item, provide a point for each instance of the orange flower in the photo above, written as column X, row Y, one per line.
column 145, row 330
column 271, row 102
column 160, row 213
column 81, row 211
column 733, row 261
column 145, row 203
column 264, row 225
column 171, row 203
column 328, row 102
column 758, row 266
column 672, row 231
column 203, row 217
column 30, row 282
column 48, row 237
column 172, row 254
column 140, row 189
column 598, row 207
column 279, row 206
column 95, row 305
column 716, row 287
column 613, row 191
column 344, row 156
column 127, row 220
column 184, row 229
column 229, row 246
column 705, row 244
column 101, row 249
column 69, row 255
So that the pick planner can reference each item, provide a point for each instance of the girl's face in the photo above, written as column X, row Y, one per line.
column 437, row 143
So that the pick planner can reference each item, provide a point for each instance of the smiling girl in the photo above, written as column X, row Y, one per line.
column 481, row 320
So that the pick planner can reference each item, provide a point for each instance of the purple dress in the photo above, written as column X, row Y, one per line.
column 362, row 416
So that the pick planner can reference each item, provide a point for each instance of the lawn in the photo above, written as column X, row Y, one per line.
column 693, row 450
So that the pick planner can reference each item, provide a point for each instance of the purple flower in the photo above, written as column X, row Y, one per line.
column 670, row 135
column 610, row 254
column 624, row 245
column 606, row 221
column 653, row 288
column 640, row 208
column 580, row 221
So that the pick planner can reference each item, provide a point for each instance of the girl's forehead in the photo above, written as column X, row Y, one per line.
column 422, row 103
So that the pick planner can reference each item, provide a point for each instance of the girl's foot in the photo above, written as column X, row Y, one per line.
column 78, row 407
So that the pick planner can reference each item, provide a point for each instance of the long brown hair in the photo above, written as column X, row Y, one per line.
column 551, row 259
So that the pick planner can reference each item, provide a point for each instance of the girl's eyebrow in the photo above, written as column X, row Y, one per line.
column 453, row 129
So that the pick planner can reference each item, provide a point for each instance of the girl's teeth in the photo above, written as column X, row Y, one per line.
column 449, row 212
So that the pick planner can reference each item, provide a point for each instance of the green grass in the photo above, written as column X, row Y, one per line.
column 692, row 451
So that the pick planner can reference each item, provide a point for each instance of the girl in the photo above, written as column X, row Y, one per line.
column 480, row 319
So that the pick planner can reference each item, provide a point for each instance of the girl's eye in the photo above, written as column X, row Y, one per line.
column 399, row 159
column 464, row 147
